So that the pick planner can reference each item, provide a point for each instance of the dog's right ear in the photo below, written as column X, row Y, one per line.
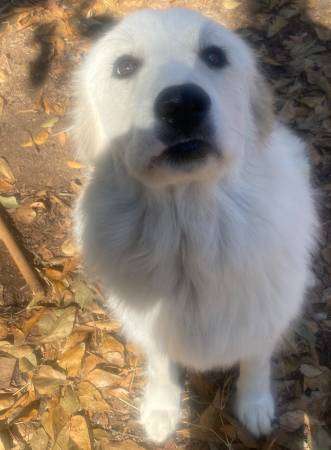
column 86, row 131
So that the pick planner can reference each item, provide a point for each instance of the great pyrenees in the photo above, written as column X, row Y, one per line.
column 198, row 214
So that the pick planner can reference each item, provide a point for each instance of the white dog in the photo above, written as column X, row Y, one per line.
column 198, row 215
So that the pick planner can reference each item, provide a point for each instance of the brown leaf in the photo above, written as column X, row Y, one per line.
column 112, row 350
column 25, row 214
column 71, row 360
column 74, row 165
column 3, row 324
column 7, row 367
column 230, row 4
column 90, row 362
column 6, row 187
column 39, row 440
column 79, row 434
column 62, row 137
column 101, row 378
column 47, row 380
column 276, row 25
column 310, row 371
column 28, row 143
column 69, row 401
column 84, row 295
column 50, row 123
column 292, row 420
column 91, row 398
column 41, row 137
column 69, row 248
column 3, row 76
column 62, row 438
column 6, row 401
column 6, row 172
column 54, row 274
column 62, row 326
column 106, row 325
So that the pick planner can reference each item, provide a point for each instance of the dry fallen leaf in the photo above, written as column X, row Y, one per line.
column 39, row 440
column 112, row 350
column 54, row 274
column 310, row 371
column 2, row 104
column 79, row 433
column 230, row 4
column 50, row 123
column 47, row 325
column 3, row 76
column 276, row 25
column 74, row 164
column 7, row 367
column 9, row 202
column 91, row 398
column 41, row 137
column 6, row 401
column 101, row 378
column 71, row 360
column 69, row 248
column 292, row 420
column 5, row 186
column 62, row 137
column 47, row 380
column 62, row 326
column 6, row 172
column 25, row 214
column 28, row 143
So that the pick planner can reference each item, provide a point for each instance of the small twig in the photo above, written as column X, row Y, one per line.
column 123, row 401
column 20, row 260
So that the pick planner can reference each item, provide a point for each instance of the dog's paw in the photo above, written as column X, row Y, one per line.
column 159, row 424
column 256, row 412
column 159, row 413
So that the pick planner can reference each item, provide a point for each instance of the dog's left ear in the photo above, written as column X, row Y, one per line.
column 262, row 106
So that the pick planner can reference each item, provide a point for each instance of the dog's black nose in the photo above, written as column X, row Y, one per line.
column 182, row 107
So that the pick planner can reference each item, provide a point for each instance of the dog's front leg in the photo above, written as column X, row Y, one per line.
column 254, row 402
column 160, row 408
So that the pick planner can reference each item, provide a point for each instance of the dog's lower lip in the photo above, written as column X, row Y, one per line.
column 186, row 151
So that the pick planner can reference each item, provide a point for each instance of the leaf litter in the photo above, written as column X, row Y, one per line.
column 68, row 378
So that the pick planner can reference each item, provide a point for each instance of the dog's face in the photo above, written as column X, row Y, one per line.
column 174, row 95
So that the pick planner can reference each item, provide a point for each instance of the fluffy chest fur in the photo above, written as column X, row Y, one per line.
column 199, row 267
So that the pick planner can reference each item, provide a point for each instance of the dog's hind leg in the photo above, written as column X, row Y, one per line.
column 254, row 402
column 160, row 408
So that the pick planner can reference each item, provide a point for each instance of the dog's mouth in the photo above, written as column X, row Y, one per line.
column 194, row 150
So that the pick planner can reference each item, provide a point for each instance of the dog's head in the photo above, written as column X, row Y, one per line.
column 173, row 95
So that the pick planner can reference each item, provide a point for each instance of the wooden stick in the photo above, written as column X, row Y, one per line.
column 20, row 260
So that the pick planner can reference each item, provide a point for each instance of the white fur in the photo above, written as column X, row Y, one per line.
column 205, row 267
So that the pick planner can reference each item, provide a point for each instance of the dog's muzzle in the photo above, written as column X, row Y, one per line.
column 182, row 114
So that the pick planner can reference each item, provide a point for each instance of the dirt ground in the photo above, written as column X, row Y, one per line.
column 68, row 378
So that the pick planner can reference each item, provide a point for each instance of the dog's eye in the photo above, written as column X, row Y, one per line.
column 125, row 66
column 214, row 57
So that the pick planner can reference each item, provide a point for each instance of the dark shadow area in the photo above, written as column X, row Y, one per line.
column 40, row 67
column 295, row 54
column 94, row 27
column 46, row 36
column 10, row 7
